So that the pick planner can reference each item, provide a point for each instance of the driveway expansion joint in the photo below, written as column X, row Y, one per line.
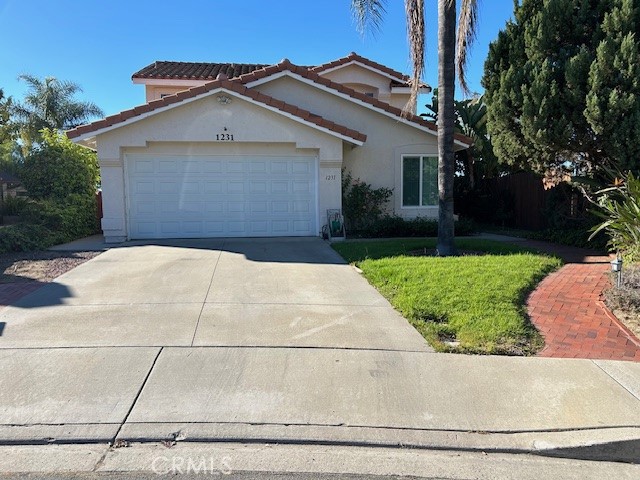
column 634, row 394
column 135, row 400
column 204, row 302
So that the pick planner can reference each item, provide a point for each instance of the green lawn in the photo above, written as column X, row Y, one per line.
column 477, row 301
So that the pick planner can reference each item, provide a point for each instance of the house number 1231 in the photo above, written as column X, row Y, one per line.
column 224, row 137
column 330, row 177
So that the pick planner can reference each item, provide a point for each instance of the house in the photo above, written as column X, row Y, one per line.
column 242, row 150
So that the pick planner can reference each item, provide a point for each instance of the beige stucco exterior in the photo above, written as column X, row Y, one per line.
column 156, row 92
column 192, row 129
column 365, row 80
column 378, row 162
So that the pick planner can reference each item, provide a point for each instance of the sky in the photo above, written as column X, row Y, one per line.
column 99, row 44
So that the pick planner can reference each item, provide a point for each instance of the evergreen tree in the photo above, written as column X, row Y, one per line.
column 562, row 86
column 613, row 99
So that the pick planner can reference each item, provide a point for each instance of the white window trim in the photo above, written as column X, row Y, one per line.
column 421, row 156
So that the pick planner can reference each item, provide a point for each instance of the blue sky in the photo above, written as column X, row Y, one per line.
column 100, row 44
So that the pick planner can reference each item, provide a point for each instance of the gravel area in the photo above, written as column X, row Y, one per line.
column 42, row 266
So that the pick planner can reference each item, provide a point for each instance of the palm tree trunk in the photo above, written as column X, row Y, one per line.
column 446, row 124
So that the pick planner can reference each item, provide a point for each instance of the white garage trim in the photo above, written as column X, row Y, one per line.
column 198, row 195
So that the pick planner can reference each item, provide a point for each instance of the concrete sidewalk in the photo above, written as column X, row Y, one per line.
column 569, row 408
column 279, row 342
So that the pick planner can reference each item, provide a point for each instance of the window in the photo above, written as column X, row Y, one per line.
column 419, row 181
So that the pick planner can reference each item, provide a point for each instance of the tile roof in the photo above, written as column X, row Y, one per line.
column 313, row 76
column 354, row 57
column 195, row 70
column 210, row 71
column 237, row 85
column 232, row 86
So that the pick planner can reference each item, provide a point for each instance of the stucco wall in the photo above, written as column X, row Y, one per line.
column 357, row 77
column 378, row 161
column 155, row 92
column 191, row 128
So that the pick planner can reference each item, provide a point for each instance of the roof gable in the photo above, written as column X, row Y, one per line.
column 355, row 59
column 170, row 70
column 234, row 88
column 287, row 68
column 239, row 85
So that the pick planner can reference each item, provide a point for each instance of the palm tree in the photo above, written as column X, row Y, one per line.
column 472, row 122
column 49, row 103
column 451, row 55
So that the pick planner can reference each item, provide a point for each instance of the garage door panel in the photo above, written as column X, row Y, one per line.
column 280, row 186
column 235, row 186
column 300, row 167
column 258, row 166
column 300, row 226
column 208, row 196
column 213, row 187
column 236, row 167
column 279, row 167
column 167, row 166
column 301, row 186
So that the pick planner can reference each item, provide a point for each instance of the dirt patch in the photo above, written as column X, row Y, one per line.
column 42, row 266
column 630, row 319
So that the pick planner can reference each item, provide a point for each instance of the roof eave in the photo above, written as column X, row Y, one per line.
column 89, row 138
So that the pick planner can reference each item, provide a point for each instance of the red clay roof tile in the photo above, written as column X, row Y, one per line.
column 238, row 85
column 163, row 69
column 195, row 70
column 231, row 86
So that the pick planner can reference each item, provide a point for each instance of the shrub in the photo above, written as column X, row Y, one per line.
column 627, row 296
column 577, row 237
column 61, row 178
column 24, row 237
column 394, row 226
column 362, row 205
column 14, row 205
column 618, row 207
column 74, row 218
column 58, row 168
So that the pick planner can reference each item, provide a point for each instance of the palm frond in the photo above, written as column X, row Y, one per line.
column 368, row 14
column 467, row 31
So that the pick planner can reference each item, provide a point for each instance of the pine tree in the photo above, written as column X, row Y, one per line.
column 613, row 100
column 562, row 86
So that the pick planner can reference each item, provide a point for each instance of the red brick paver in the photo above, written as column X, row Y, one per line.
column 567, row 309
column 12, row 292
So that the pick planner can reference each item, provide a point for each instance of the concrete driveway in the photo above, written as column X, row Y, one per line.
column 258, row 292
column 279, row 341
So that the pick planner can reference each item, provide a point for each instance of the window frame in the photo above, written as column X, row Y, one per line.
column 421, row 156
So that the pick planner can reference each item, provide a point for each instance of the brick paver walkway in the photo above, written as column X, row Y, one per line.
column 11, row 292
column 567, row 309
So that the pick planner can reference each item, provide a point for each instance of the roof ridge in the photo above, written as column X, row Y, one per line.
column 353, row 56
column 266, row 71
column 310, row 74
column 230, row 85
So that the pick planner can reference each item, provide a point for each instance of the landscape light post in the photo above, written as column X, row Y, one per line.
column 616, row 267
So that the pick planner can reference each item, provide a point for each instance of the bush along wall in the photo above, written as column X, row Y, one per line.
column 61, row 179
column 394, row 226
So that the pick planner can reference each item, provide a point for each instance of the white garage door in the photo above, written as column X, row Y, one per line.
column 221, row 196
